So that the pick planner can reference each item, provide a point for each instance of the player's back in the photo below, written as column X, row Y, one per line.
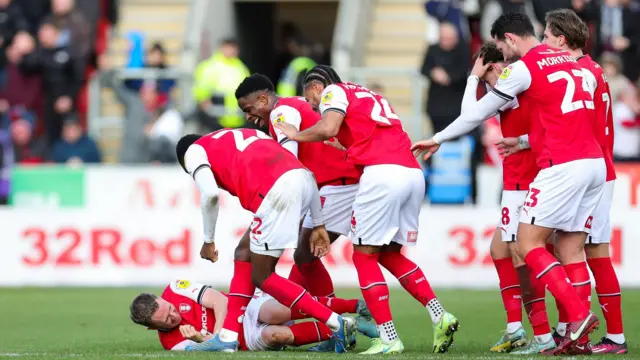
column 599, row 89
column 562, row 111
column 371, row 132
column 328, row 164
column 519, row 169
column 246, row 163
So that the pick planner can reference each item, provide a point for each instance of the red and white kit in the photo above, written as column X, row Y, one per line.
column 267, row 179
column 599, row 89
column 186, row 296
column 570, row 183
column 337, row 179
column 388, row 201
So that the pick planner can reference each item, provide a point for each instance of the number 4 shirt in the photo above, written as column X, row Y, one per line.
column 552, row 85
column 371, row 131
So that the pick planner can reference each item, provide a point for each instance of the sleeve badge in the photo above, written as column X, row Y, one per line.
column 505, row 73
column 327, row 97
column 183, row 284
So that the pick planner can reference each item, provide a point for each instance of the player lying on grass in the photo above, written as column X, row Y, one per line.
column 186, row 313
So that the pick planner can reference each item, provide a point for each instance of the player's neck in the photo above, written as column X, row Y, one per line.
column 576, row 53
column 528, row 43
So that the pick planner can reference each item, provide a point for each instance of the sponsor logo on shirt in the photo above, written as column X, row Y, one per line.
column 279, row 118
column 183, row 284
column 327, row 97
column 505, row 73
column 184, row 308
column 412, row 236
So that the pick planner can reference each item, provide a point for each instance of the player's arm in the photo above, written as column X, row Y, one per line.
column 289, row 115
column 197, row 164
column 514, row 80
column 216, row 301
column 206, row 296
column 333, row 108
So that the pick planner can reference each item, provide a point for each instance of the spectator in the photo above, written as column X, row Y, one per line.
column 626, row 127
column 26, row 148
column 446, row 65
column 215, row 83
column 34, row 12
column 66, row 17
column 12, row 23
column 62, row 72
column 301, row 62
column 6, row 162
column 450, row 11
column 163, row 133
column 155, row 58
column 618, row 83
column 620, row 32
column 75, row 146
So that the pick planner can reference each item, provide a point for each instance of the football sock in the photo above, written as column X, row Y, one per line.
column 240, row 293
column 547, row 269
column 375, row 293
column 409, row 275
column 296, row 276
column 581, row 281
column 317, row 278
column 338, row 306
column 608, row 290
column 533, row 292
column 297, row 299
column 509, row 289
column 309, row 332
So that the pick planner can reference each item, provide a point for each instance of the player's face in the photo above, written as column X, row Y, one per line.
column 557, row 42
column 312, row 94
column 256, row 108
column 166, row 317
column 507, row 46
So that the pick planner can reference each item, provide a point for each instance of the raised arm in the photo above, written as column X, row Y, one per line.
column 197, row 164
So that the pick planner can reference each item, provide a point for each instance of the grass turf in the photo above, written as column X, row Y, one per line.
column 93, row 323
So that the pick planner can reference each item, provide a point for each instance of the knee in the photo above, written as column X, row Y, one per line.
column 301, row 256
column 258, row 278
column 276, row 336
column 242, row 253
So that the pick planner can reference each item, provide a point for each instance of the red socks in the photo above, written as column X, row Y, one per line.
column 608, row 290
column 309, row 332
column 547, row 269
column 295, row 276
column 338, row 306
column 409, row 274
column 319, row 284
column 240, row 293
column 533, row 292
column 509, row 289
column 295, row 297
column 581, row 282
column 374, row 287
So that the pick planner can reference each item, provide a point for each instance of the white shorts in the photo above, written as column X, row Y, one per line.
column 275, row 226
column 601, row 224
column 252, row 326
column 564, row 196
column 337, row 203
column 511, row 205
column 387, row 206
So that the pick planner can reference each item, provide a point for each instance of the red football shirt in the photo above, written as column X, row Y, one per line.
column 244, row 162
column 328, row 164
column 371, row 131
column 552, row 86
column 186, row 296
column 599, row 89
column 519, row 169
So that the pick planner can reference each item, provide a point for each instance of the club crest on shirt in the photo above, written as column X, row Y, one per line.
column 183, row 284
column 505, row 73
column 184, row 308
column 327, row 97
column 279, row 118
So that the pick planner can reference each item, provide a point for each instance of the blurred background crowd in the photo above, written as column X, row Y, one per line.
column 53, row 51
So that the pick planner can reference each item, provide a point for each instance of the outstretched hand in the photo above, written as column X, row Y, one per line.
column 335, row 143
column 288, row 130
column 429, row 147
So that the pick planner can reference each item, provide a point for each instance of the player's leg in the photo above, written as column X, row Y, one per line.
column 241, row 290
column 311, row 270
column 607, row 284
column 533, row 298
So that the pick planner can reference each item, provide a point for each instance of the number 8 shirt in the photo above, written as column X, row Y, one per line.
column 552, row 85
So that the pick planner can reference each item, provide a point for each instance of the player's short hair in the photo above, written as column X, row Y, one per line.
column 567, row 23
column 323, row 74
column 182, row 146
column 489, row 53
column 253, row 84
column 142, row 309
column 514, row 23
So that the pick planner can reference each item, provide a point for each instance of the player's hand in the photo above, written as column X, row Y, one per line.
column 288, row 130
column 479, row 69
column 319, row 241
column 508, row 146
column 189, row 332
column 335, row 143
column 428, row 146
column 209, row 252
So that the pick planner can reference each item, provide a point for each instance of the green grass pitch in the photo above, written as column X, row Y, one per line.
column 93, row 323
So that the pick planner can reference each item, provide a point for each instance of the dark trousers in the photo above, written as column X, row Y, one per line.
column 52, row 120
